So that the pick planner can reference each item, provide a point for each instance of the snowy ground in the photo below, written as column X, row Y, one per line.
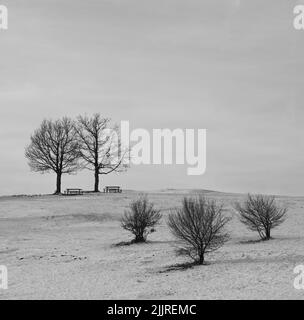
column 65, row 248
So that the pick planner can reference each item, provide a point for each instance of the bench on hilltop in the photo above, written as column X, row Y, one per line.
column 73, row 192
column 112, row 189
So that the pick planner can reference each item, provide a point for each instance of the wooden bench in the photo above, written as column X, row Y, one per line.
column 73, row 192
column 112, row 189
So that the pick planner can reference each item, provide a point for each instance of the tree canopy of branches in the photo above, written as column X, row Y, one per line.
column 54, row 148
column 199, row 225
column 141, row 218
column 261, row 213
column 101, row 150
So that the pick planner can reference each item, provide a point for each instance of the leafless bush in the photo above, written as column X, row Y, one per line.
column 141, row 219
column 199, row 224
column 261, row 213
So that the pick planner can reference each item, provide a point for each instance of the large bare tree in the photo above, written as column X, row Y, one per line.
column 54, row 148
column 101, row 149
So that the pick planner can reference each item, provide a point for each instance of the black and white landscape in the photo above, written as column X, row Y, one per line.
column 191, row 111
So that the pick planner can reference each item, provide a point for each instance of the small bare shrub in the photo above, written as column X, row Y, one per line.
column 199, row 225
column 261, row 213
column 141, row 219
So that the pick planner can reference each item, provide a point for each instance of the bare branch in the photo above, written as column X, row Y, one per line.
column 54, row 148
column 141, row 218
column 100, row 151
column 199, row 225
column 261, row 213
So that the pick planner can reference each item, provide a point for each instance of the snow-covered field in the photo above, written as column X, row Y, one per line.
column 66, row 248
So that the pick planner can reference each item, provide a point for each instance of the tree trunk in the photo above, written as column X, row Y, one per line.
column 139, row 238
column 201, row 258
column 96, row 185
column 58, row 183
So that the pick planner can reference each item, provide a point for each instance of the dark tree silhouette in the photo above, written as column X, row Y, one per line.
column 199, row 225
column 54, row 148
column 100, row 152
column 141, row 218
column 261, row 213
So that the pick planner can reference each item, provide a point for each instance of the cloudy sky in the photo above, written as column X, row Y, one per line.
column 234, row 67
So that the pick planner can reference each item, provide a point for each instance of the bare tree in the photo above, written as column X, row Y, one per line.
column 261, row 213
column 141, row 218
column 199, row 225
column 54, row 148
column 101, row 149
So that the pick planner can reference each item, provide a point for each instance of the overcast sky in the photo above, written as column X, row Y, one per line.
column 234, row 67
